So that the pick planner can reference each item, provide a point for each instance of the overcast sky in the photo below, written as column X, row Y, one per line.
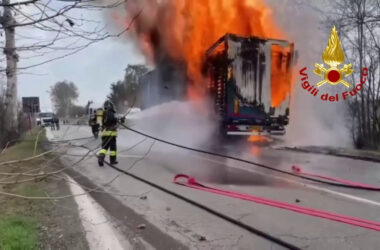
column 92, row 70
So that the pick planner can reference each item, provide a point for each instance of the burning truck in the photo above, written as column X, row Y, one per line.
column 249, row 81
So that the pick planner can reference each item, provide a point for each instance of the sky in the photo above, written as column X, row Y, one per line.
column 92, row 69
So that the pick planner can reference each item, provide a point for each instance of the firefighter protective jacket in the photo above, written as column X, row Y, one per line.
column 108, row 123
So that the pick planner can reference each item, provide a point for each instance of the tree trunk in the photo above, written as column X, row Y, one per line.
column 360, row 43
column 11, row 104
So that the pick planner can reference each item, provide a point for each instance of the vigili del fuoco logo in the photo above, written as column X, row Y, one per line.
column 333, row 75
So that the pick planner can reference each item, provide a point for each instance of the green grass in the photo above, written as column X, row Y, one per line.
column 19, row 218
column 18, row 233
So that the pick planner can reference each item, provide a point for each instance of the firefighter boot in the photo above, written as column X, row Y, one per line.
column 113, row 160
column 101, row 160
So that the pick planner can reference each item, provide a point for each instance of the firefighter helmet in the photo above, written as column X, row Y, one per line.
column 108, row 105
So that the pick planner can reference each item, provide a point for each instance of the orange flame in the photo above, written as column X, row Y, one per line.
column 282, row 74
column 186, row 29
column 259, row 138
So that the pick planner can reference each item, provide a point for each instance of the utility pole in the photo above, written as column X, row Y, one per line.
column 7, row 21
column 88, row 109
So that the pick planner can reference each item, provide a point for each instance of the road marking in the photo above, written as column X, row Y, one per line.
column 347, row 196
column 100, row 233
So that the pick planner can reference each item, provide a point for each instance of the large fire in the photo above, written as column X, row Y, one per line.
column 185, row 29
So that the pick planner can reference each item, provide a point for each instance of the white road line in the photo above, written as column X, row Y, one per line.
column 100, row 233
column 347, row 196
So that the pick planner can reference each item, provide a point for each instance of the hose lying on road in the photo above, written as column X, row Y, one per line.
column 299, row 171
column 210, row 210
column 229, row 219
column 251, row 162
column 354, row 221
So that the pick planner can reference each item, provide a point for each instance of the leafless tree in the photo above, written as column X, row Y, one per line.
column 36, row 32
column 358, row 22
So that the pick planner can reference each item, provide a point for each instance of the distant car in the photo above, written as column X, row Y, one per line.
column 45, row 119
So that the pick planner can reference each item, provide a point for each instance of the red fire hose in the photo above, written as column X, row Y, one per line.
column 298, row 170
column 193, row 183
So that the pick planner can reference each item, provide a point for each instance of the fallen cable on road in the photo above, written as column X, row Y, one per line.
column 250, row 162
column 193, row 183
column 233, row 221
column 74, row 139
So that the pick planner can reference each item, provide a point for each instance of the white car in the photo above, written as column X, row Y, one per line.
column 45, row 119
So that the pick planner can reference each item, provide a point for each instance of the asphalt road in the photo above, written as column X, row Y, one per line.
column 182, row 225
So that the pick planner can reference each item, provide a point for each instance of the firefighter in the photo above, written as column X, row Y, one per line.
column 109, row 133
column 52, row 125
column 56, row 122
column 93, row 122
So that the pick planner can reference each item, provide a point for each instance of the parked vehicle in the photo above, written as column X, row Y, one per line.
column 45, row 119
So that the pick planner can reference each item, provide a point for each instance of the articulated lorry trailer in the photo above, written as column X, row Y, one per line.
column 250, row 83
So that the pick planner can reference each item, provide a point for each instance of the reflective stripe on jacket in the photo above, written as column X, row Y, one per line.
column 109, row 133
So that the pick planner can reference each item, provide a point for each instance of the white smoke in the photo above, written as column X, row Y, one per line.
column 312, row 121
column 185, row 123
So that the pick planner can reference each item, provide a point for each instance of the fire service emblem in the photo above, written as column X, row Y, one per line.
column 333, row 56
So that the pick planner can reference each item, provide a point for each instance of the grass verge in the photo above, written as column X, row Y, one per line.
column 20, row 218
column 18, row 233
column 31, row 224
